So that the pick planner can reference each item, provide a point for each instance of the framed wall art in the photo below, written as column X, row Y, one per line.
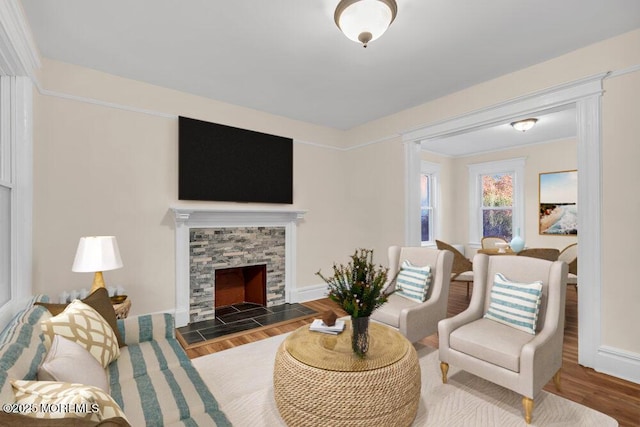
column 559, row 203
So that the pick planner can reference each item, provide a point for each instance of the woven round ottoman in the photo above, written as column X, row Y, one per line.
column 318, row 381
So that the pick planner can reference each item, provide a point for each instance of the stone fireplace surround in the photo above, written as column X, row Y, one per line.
column 212, row 249
column 188, row 219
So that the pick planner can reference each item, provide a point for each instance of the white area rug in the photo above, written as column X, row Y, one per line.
column 241, row 380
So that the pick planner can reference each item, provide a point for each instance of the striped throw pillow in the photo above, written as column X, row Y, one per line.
column 413, row 282
column 515, row 304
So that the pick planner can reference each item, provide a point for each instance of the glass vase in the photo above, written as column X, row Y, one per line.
column 360, row 335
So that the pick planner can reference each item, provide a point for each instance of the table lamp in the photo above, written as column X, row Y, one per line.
column 97, row 254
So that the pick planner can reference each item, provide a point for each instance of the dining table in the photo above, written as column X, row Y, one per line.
column 497, row 251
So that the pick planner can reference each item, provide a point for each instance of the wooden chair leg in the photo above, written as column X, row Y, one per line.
column 444, row 367
column 527, row 404
column 556, row 380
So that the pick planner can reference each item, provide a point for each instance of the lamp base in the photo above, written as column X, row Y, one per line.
column 98, row 282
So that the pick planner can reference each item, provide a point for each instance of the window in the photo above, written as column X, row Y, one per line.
column 496, row 199
column 497, row 205
column 428, row 201
column 15, row 193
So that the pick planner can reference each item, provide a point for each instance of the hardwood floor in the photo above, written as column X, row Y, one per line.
column 615, row 397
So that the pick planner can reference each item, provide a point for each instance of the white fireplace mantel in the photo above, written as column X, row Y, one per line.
column 235, row 217
column 203, row 217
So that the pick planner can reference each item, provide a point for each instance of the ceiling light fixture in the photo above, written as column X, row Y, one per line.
column 524, row 125
column 365, row 20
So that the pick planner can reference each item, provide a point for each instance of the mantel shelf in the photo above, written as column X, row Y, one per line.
column 225, row 215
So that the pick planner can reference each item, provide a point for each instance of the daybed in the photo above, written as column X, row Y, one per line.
column 152, row 380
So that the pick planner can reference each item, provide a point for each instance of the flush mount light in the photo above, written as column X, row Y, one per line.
column 365, row 20
column 524, row 125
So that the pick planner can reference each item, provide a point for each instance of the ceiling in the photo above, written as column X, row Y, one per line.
column 551, row 126
column 287, row 57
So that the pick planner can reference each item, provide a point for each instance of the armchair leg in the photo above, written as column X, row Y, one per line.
column 444, row 367
column 527, row 404
column 556, row 380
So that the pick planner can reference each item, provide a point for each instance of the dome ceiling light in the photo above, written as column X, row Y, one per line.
column 365, row 20
column 524, row 125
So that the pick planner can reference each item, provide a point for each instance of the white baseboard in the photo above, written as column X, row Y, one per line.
column 309, row 293
column 618, row 363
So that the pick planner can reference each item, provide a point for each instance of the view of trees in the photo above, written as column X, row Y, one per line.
column 497, row 205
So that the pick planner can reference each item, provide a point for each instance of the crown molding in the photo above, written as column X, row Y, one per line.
column 19, row 55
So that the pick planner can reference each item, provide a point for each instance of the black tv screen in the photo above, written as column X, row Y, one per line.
column 224, row 163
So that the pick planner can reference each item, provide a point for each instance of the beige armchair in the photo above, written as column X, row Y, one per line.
column 509, row 357
column 416, row 320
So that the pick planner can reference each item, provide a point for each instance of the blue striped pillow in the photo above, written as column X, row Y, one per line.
column 515, row 304
column 413, row 282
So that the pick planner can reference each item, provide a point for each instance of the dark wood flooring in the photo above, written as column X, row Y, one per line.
column 615, row 397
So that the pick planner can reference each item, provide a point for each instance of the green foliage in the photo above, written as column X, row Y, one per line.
column 358, row 286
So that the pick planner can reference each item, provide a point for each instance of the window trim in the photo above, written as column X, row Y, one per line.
column 476, row 171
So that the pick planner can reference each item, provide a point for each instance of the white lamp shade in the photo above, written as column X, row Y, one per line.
column 365, row 16
column 97, row 253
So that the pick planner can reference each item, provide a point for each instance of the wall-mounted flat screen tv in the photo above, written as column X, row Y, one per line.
column 224, row 163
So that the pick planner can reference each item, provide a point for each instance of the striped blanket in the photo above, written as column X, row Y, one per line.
column 154, row 381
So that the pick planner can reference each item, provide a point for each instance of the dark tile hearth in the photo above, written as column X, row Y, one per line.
column 241, row 317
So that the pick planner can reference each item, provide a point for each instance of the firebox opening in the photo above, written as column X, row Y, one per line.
column 241, row 284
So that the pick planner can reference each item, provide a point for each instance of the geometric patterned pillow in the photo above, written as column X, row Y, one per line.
column 413, row 282
column 515, row 304
column 51, row 399
column 100, row 302
column 82, row 324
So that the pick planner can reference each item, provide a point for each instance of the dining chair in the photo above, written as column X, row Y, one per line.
column 416, row 319
column 570, row 256
column 550, row 254
column 489, row 242
column 505, row 343
column 462, row 269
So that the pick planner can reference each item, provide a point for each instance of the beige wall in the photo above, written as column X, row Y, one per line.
column 106, row 170
column 548, row 157
column 375, row 183
column 619, row 291
column 621, row 212
column 109, row 170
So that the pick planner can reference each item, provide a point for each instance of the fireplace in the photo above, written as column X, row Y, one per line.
column 236, row 285
column 221, row 248
column 208, row 240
